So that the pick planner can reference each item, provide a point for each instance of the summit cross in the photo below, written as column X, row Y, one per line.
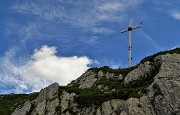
column 129, row 30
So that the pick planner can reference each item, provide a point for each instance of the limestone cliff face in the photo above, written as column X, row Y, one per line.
column 151, row 88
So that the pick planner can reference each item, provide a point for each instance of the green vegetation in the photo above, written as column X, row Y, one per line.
column 111, row 83
column 58, row 109
column 8, row 103
column 31, row 109
column 122, row 71
column 151, row 58
column 93, row 95
column 113, row 88
column 116, row 89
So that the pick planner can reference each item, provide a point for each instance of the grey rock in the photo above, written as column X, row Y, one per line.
column 41, row 108
column 100, row 86
column 142, row 71
column 48, row 93
column 81, row 78
column 44, row 104
column 66, row 101
column 123, row 113
column 106, row 108
column 168, row 80
column 120, row 77
column 112, row 107
column 118, row 106
column 66, row 113
column 75, row 109
column 23, row 110
column 51, row 106
column 133, row 107
column 100, row 74
column 146, row 105
column 87, row 81
column 88, row 111
column 109, row 75
column 98, row 112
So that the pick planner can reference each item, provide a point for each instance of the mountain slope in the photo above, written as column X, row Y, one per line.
column 149, row 88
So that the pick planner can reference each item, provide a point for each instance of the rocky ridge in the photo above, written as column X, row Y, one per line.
column 149, row 88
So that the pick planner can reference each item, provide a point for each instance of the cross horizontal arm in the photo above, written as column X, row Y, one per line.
column 124, row 31
column 136, row 27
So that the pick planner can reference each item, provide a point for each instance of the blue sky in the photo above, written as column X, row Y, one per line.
column 46, row 41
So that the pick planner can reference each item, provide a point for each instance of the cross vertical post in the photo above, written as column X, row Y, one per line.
column 130, row 45
column 129, row 30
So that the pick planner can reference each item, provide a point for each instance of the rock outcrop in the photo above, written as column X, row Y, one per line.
column 155, row 91
column 86, row 80
column 45, row 103
column 23, row 111
column 167, row 99
column 142, row 71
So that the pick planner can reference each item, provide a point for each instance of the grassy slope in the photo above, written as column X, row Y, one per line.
column 8, row 103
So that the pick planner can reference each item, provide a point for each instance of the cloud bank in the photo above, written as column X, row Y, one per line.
column 43, row 68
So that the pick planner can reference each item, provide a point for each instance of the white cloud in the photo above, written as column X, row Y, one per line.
column 24, row 32
column 42, row 69
column 80, row 13
column 175, row 14
column 102, row 30
column 10, row 74
column 90, row 40
column 111, row 6
column 46, row 64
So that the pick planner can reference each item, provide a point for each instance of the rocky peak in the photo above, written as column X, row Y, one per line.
column 150, row 88
column 48, row 93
